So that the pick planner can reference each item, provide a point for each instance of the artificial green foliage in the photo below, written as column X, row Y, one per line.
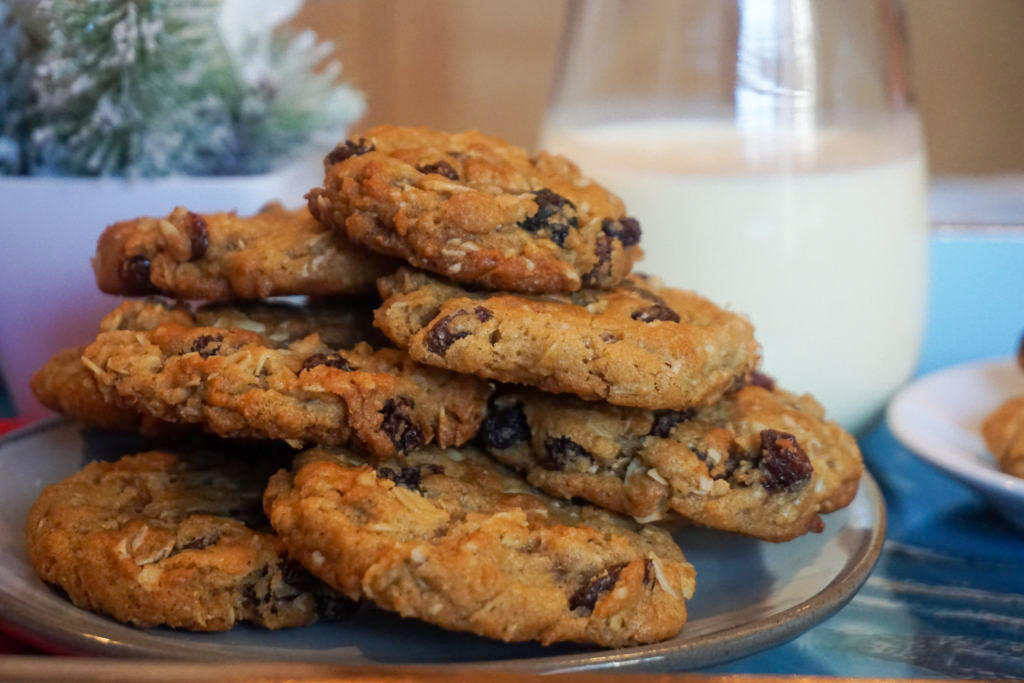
column 127, row 88
column 289, row 104
column 140, row 88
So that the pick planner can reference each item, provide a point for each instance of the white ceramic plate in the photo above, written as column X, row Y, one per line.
column 750, row 594
column 938, row 417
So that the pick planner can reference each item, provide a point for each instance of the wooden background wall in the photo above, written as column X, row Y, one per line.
column 488, row 64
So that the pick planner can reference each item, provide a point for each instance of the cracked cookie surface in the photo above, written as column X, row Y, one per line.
column 1003, row 432
column 225, row 256
column 161, row 538
column 454, row 539
column 760, row 461
column 67, row 386
column 638, row 345
column 235, row 383
column 478, row 210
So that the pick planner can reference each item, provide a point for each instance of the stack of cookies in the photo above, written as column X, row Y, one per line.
column 477, row 415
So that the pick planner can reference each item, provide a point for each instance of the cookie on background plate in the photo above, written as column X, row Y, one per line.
column 639, row 344
column 478, row 210
column 236, row 383
column 225, row 256
column 760, row 461
column 161, row 538
column 1003, row 432
column 66, row 385
column 454, row 539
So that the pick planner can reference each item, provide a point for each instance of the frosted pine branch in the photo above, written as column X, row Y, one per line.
column 157, row 87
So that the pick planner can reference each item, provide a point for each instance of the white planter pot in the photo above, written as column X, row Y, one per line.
column 48, row 232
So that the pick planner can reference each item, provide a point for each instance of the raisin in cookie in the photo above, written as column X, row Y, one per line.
column 478, row 210
column 761, row 461
column 1003, row 432
column 637, row 345
column 224, row 256
column 67, row 386
column 163, row 538
column 454, row 539
column 235, row 383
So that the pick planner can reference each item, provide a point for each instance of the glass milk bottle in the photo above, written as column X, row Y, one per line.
column 770, row 151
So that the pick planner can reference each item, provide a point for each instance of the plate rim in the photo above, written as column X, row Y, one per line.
column 705, row 650
column 990, row 480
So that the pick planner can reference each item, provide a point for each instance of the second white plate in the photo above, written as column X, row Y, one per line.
column 939, row 416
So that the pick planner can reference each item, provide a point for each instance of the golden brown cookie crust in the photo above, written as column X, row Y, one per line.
column 153, row 539
column 455, row 540
column 234, row 383
column 478, row 210
column 65, row 385
column 223, row 256
column 761, row 462
column 340, row 323
column 1003, row 432
column 638, row 345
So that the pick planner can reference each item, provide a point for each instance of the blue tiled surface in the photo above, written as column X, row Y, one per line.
column 976, row 308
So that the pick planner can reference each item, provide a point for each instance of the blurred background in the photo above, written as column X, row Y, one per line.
column 256, row 104
column 485, row 64
column 458, row 64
